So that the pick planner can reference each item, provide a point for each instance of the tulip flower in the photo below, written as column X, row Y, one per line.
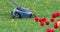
column 41, row 24
column 52, row 19
column 52, row 30
column 42, row 19
column 55, row 25
column 56, row 14
column 36, row 19
column 47, row 23
column 48, row 30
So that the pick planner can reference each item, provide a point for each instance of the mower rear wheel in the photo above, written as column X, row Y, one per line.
column 17, row 15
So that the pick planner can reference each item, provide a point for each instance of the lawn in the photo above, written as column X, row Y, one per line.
column 42, row 8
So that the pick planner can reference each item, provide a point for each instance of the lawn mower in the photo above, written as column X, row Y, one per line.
column 21, row 12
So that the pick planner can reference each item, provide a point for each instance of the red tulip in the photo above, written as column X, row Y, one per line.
column 48, row 30
column 52, row 30
column 47, row 23
column 42, row 19
column 56, row 14
column 52, row 19
column 36, row 19
column 41, row 24
column 55, row 25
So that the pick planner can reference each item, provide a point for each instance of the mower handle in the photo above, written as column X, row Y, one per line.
column 14, row 3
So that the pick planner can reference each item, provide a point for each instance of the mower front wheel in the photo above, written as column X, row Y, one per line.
column 32, row 15
column 17, row 15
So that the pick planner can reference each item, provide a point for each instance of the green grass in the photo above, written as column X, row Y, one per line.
column 42, row 8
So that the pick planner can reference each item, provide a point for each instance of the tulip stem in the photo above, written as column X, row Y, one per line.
column 59, row 29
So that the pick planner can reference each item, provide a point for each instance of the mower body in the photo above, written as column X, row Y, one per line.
column 23, row 13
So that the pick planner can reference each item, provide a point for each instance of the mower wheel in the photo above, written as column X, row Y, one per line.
column 17, row 15
column 32, row 15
